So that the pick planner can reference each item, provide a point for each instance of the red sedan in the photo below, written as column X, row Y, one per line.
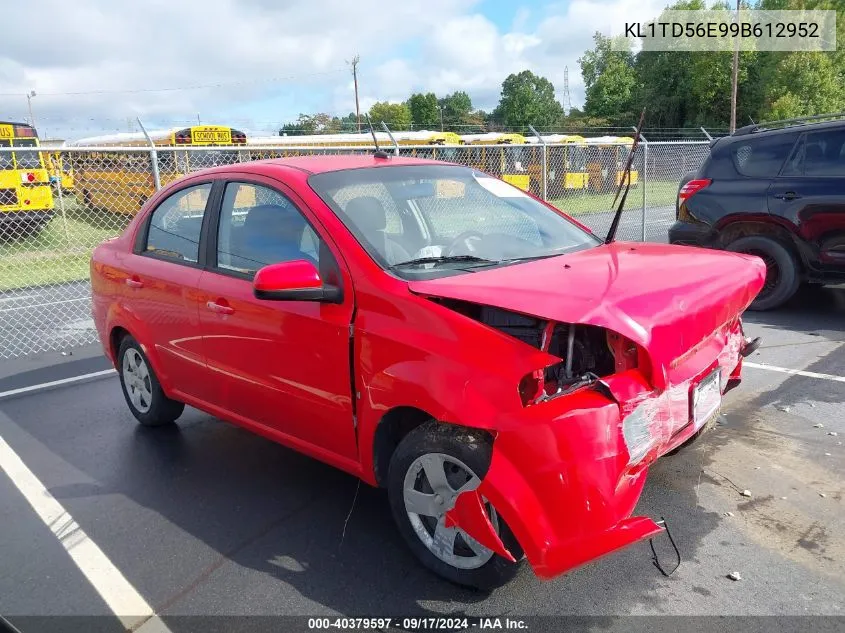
column 506, row 375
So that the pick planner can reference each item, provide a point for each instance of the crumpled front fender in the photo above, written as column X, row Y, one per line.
column 562, row 487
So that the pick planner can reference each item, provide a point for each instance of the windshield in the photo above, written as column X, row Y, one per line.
column 27, row 160
column 455, row 218
column 576, row 158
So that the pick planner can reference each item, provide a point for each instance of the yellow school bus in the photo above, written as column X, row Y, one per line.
column 115, row 174
column 26, row 202
column 422, row 143
column 566, row 164
column 499, row 154
column 606, row 160
column 61, row 172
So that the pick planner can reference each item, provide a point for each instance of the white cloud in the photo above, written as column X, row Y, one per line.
column 431, row 45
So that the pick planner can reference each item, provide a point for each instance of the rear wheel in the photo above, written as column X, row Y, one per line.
column 141, row 387
column 432, row 465
column 782, row 274
column 87, row 200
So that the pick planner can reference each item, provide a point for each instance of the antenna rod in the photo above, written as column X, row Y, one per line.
column 626, row 179
column 378, row 153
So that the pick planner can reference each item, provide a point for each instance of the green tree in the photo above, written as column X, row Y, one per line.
column 425, row 112
column 610, row 80
column 320, row 123
column 349, row 123
column 527, row 99
column 457, row 110
column 396, row 115
column 803, row 84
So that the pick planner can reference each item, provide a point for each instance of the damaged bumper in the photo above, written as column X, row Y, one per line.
column 566, row 475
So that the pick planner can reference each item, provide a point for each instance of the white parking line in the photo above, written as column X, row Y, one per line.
column 56, row 383
column 120, row 596
column 796, row 372
column 16, row 298
column 45, row 305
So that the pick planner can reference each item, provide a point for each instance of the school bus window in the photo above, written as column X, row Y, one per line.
column 6, row 157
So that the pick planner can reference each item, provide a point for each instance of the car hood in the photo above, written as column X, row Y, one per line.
column 666, row 298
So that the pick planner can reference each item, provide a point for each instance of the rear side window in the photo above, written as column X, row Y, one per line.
column 762, row 157
column 176, row 224
column 819, row 155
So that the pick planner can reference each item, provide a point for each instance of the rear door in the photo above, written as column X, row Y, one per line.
column 810, row 195
column 159, row 282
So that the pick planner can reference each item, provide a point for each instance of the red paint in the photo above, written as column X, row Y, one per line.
column 469, row 514
column 319, row 377
column 287, row 276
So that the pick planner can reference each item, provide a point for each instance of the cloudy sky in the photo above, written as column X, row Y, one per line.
column 95, row 65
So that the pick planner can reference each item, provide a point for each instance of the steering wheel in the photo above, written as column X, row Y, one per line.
column 465, row 239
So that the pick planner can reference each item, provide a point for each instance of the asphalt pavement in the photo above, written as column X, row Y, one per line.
column 206, row 519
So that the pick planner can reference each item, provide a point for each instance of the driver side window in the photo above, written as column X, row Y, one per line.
column 261, row 226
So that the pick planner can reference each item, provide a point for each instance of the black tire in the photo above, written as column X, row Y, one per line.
column 160, row 409
column 87, row 201
column 474, row 450
column 782, row 271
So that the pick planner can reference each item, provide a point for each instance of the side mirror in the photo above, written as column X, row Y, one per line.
column 294, row 281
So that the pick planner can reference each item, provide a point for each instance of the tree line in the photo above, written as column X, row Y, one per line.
column 692, row 89
column 526, row 99
column 678, row 89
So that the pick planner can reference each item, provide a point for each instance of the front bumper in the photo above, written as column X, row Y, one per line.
column 562, row 476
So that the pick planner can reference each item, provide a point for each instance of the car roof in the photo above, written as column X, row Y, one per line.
column 754, row 131
column 327, row 163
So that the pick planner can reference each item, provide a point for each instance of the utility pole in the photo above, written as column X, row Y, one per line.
column 440, row 107
column 29, row 96
column 567, row 101
column 354, row 63
column 735, row 76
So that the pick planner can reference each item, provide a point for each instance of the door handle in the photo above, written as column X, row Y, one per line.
column 789, row 195
column 134, row 282
column 220, row 308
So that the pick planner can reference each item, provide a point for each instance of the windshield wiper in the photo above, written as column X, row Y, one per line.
column 530, row 258
column 440, row 259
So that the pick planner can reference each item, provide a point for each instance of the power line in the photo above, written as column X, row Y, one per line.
column 178, row 88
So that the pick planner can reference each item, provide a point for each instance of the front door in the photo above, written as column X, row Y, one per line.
column 283, row 366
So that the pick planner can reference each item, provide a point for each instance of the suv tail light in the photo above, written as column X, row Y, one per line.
column 692, row 187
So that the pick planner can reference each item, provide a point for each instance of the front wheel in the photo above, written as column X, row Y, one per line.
column 142, row 389
column 782, row 273
column 432, row 465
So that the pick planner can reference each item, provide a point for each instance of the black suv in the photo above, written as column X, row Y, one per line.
column 775, row 190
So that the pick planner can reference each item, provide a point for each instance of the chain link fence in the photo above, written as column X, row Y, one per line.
column 56, row 205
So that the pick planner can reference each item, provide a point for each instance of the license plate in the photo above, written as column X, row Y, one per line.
column 706, row 399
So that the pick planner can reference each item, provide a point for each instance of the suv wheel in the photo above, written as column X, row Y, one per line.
column 782, row 275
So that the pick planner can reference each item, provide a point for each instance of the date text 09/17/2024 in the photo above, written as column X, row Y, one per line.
column 419, row 623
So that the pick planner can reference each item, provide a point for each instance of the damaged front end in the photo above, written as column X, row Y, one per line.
column 568, row 468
